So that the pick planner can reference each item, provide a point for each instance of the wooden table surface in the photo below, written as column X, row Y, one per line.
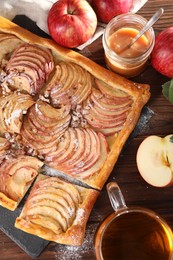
column 135, row 190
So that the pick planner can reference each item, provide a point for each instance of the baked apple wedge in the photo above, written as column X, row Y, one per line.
column 57, row 210
column 27, row 72
column 12, row 109
column 16, row 176
column 44, row 125
column 106, row 110
column 71, row 84
column 80, row 153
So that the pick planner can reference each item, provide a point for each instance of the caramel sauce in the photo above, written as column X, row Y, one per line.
column 126, row 71
column 120, row 39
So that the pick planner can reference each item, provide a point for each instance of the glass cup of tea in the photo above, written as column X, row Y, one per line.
column 132, row 233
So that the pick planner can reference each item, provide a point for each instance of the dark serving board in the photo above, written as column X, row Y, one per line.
column 31, row 244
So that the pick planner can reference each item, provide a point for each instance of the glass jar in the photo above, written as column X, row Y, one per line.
column 131, row 64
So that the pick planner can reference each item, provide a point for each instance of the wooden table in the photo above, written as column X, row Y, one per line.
column 135, row 190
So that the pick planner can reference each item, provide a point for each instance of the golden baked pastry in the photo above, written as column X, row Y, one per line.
column 77, row 121
column 57, row 210
column 8, row 43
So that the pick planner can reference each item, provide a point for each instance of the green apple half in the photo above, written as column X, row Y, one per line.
column 155, row 160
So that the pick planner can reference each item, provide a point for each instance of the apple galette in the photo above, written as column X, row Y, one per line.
column 60, row 109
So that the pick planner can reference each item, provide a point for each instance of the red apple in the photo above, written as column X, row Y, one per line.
column 71, row 22
column 155, row 160
column 162, row 54
column 107, row 9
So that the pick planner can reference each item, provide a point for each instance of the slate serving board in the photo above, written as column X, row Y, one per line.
column 31, row 244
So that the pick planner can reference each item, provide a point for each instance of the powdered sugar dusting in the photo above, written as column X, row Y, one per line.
column 84, row 251
column 79, row 215
column 15, row 114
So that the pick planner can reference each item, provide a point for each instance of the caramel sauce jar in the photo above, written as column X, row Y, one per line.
column 119, row 32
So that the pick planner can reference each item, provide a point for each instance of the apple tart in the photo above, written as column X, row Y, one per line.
column 57, row 210
column 67, row 112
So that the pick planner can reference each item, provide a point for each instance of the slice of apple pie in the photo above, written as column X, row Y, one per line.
column 16, row 176
column 57, row 210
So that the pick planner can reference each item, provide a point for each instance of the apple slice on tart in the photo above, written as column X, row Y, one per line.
column 57, row 210
column 12, row 109
column 28, row 73
column 44, row 125
column 16, row 176
column 106, row 109
column 80, row 153
column 71, row 84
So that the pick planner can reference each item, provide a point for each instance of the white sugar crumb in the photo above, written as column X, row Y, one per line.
column 77, row 117
column 76, row 144
column 70, row 211
column 43, row 98
column 80, row 164
column 37, row 109
column 15, row 114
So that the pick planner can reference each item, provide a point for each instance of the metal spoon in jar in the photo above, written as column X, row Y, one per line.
column 152, row 20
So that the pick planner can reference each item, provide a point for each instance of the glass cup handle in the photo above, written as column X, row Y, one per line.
column 115, row 196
